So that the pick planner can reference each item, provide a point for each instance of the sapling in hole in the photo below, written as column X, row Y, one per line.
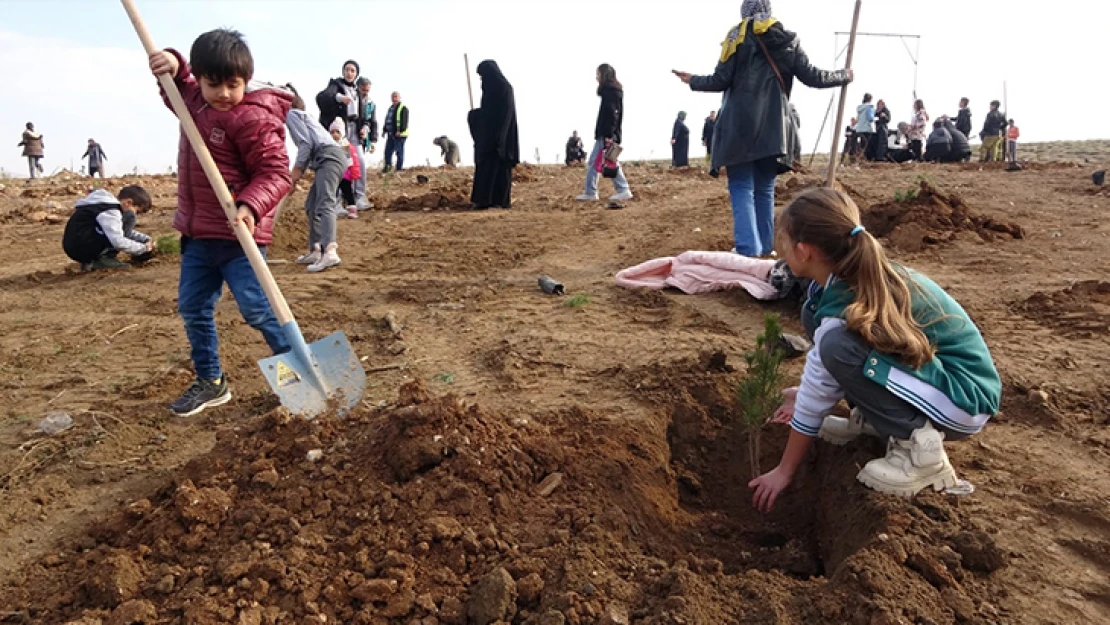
column 759, row 394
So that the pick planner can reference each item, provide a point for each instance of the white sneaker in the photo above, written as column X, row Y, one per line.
column 840, row 431
column 329, row 259
column 363, row 204
column 310, row 258
column 620, row 197
column 586, row 197
column 911, row 465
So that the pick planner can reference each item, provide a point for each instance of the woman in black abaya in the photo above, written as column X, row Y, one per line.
column 496, row 146
column 680, row 142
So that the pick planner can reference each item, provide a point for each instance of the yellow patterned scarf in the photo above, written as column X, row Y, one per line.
column 735, row 36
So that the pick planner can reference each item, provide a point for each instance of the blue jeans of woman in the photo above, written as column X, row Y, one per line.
column 620, row 182
column 751, row 189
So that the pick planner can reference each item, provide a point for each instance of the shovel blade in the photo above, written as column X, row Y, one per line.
column 330, row 377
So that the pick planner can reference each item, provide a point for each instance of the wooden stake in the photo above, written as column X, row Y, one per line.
column 469, row 89
column 833, row 160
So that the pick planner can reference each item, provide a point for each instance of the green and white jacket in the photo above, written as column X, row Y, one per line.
column 958, row 389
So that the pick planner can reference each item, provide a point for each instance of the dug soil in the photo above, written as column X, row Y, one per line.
column 520, row 460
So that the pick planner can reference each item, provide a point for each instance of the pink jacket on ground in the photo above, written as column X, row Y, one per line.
column 248, row 145
column 702, row 272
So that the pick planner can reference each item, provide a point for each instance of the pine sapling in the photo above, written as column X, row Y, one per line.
column 759, row 393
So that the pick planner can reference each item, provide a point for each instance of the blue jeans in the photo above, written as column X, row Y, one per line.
column 395, row 144
column 620, row 182
column 205, row 265
column 751, row 189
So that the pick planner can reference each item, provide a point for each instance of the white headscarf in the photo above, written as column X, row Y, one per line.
column 756, row 9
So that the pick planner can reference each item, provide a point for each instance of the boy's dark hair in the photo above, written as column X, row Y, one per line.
column 220, row 55
column 138, row 196
column 298, row 101
column 866, row 98
column 965, row 101
column 362, row 80
column 995, row 103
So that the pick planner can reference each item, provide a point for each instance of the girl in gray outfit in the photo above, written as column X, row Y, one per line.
column 316, row 150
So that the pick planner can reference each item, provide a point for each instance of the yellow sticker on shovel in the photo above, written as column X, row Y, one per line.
column 285, row 375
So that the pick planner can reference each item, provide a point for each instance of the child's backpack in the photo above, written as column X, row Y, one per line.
column 329, row 107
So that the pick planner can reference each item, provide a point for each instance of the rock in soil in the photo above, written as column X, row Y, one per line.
column 493, row 598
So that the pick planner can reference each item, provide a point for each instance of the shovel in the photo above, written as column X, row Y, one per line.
column 309, row 378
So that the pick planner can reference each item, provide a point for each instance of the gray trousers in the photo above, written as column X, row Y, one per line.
column 322, row 205
column 844, row 354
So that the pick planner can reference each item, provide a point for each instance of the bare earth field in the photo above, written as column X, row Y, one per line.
column 521, row 460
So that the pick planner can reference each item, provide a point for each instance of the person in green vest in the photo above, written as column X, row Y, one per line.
column 903, row 353
column 396, row 130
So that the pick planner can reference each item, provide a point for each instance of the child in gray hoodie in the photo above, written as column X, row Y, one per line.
column 101, row 227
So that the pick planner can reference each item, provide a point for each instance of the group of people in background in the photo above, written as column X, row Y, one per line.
column 869, row 136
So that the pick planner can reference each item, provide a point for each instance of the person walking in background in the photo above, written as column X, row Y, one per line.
column 707, row 137
column 607, row 131
column 876, row 147
column 865, row 125
column 680, row 142
column 797, row 121
column 496, row 144
column 448, row 149
column 576, row 154
column 918, row 126
column 993, row 127
column 759, row 62
column 33, row 147
column 396, row 129
column 1012, row 136
column 963, row 118
column 96, row 157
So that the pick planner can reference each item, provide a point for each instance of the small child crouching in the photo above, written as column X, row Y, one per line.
column 102, row 226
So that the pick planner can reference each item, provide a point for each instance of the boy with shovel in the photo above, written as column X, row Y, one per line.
column 244, row 129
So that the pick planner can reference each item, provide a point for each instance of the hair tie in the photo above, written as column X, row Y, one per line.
column 857, row 230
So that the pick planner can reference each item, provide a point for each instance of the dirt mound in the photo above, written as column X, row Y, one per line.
column 1081, row 310
column 524, row 172
column 440, row 511
column 291, row 227
column 927, row 216
column 440, row 199
column 791, row 186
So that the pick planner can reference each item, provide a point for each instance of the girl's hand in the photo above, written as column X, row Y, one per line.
column 785, row 412
column 246, row 217
column 767, row 488
column 162, row 62
column 683, row 76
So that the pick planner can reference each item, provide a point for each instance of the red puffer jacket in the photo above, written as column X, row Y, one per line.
column 248, row 145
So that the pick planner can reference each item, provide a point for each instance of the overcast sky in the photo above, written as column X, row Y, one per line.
column 77, row 70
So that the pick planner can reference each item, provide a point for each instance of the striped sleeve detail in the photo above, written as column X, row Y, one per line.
column 819, row 391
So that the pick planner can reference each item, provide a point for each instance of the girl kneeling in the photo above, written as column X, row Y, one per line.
column 902, row 352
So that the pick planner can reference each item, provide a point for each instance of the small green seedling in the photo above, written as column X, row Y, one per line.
column 168, row 244
column 905, row 195
column 444, row 378
column 578, row 301
column 759, row 394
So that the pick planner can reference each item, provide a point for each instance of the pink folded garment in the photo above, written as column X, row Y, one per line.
column 702, row 272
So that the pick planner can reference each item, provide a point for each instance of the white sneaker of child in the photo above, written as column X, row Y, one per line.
column 329, row 259
column 310, row 258
column 621, row 197
column 911, row 465
column 840, row 431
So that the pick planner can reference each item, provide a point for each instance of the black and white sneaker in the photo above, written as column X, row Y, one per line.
column 202, row 394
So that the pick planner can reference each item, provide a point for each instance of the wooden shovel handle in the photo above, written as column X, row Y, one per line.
column 215, row 178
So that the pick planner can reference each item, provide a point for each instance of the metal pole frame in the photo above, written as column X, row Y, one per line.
column 839, row 52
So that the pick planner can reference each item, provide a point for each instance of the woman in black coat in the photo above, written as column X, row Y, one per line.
column 753, row 137
column 496, row 145
column 876, row 149
column 680, row 142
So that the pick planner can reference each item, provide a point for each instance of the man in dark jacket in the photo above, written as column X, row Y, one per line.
column 993, row 127
column 963, row 118
column 753, row 137
column 576, row 154
column 707, row 138
column 961, row 148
